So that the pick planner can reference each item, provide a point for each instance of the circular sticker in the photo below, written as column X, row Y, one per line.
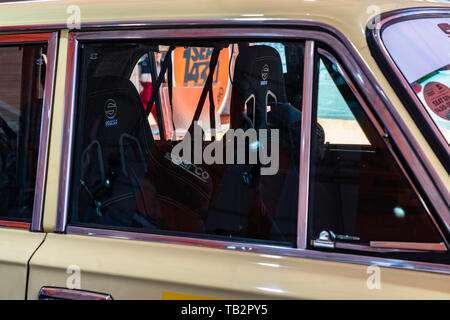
column 437, row 97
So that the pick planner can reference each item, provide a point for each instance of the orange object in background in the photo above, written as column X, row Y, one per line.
column 191, row 68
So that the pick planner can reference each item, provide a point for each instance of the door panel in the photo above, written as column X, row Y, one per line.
column 130, row 269
column 16, row 248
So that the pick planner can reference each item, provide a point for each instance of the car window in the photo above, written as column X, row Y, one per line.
column 22, row 77
column 359, row 193
column 189, row 138
column 426, row 66
column 334, row 115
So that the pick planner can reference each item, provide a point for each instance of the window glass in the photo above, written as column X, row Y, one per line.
column 189, row 138
column 421, row 50
column 334, row 115
column 22, row 77
column 358, row 191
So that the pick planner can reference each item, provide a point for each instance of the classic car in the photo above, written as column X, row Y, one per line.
column 224, row 149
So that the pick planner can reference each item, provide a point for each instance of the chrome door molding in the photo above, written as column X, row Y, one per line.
column 52, row 48
column 362, row 77
column 68, row 131
column 262, row 249
column 388, row 66
column 55, row 293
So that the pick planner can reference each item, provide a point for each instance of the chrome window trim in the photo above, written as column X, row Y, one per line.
column 408, row 245
column 349, row 57
column 262, row 249
column 68, row 135
column 134, row 25
column 392, row 18
column 41, row 172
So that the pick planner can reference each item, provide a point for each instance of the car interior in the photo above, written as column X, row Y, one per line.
column 124, row 175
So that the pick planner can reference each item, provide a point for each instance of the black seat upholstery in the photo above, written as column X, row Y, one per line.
column 8, row 168
column 258, row 82
column 116, row 149
column 250, row 207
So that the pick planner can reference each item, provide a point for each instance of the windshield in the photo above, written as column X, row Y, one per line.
column 421, row 50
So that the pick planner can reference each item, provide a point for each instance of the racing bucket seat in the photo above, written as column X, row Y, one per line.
column 115, row 154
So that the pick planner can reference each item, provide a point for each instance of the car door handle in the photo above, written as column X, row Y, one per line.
column 54, row 293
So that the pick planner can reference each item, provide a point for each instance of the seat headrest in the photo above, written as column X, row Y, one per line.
column 257, row 82
column 114, row 108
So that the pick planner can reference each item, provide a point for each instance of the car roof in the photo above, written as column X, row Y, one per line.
column 348, row 16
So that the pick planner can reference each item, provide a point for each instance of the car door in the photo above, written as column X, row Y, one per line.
column 243, row 235
column 26, row 81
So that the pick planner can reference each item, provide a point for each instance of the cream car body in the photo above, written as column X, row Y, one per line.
column 153, row 267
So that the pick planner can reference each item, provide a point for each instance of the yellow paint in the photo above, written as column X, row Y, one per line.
column 349, row 16
column 422, row 141
column 181, row 296
column 16, row 248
